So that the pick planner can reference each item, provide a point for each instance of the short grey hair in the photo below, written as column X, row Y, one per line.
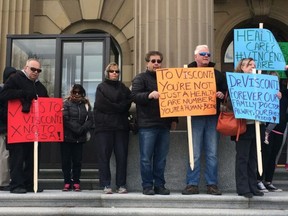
column 199, row 47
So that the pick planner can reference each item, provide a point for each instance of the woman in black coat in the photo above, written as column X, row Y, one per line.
column 111, row 110
column 78, row 120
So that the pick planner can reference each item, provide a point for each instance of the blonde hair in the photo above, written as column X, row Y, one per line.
column 242, row 62
column 108, row 68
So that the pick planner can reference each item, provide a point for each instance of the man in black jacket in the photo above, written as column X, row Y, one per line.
column 25, row 86
column 153, row 130
column 4, row 153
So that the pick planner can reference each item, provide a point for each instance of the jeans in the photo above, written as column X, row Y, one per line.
column 205, row 136
column 154, row 147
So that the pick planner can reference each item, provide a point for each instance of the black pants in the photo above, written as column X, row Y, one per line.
column 71, row 155
column 246, row 161
column 107, row 142
column 269, row 154
column 21, row 165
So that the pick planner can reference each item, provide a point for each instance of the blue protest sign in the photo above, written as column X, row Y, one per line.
column 254, row 96
column 260, row 45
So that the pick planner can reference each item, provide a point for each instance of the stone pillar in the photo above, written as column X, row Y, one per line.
column 174, row 27
column 15, row 16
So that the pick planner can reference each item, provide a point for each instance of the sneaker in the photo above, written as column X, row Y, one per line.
column 261, row 187
column 67, row 187
column 190, row 189
column 76, row 187
column 122, row 190
column 266, row 140
column 148, row 191
column 161, row 190
column 108, row 190
column 213, row 190
column 270, row 187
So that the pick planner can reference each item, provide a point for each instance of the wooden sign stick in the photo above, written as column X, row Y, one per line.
column 35, row 180
column 258, row 134
column 190, row 141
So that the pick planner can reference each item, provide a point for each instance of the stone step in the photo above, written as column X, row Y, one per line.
column 82, row 211
column 94, row 202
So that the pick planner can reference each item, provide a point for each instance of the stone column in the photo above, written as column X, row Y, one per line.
column 173, row 27
column 14, row 19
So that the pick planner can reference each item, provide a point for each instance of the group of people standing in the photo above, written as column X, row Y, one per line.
column 109, row 119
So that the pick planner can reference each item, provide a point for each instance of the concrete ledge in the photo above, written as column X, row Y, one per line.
column 177, row 163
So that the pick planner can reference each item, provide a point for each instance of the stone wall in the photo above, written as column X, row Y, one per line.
column 177, row 163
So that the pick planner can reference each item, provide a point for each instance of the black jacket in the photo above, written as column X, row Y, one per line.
column 111, row 107
column 221, row 84
column 8, row 71
column 283, row 118
column 19, row 87
column 148, row 111
column 77, row 121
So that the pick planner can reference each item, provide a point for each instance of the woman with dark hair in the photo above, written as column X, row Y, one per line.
column 78, row 120
column 111, row 110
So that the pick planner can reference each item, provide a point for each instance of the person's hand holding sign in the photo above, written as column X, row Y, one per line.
column 154, row 95
column 220, row 95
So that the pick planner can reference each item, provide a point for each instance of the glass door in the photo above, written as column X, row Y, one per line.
column 82, row 63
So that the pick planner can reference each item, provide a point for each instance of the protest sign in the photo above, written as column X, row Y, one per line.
column 186, row 91
column 44, row 124
column 260, row 45
column 254, row 96
column 284, row 48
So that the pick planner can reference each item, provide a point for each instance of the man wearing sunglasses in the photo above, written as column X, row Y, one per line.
column 154, row 131
column 204, row 132
column 25, row 86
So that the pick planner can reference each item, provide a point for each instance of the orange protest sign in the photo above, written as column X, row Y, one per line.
column 43, row 123
column 186, row 91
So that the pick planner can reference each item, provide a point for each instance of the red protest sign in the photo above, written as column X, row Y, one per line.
column 44, row 122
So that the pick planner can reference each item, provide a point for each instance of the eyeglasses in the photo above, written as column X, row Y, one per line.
column 154, row 61
column 204, row 54
column 76, row 92
column 35, row 69
column 112, row 71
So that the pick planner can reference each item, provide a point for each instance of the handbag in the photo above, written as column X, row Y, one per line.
column 227, row 124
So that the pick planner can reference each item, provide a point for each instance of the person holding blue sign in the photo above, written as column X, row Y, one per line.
column 204, row 133
column 246, row 152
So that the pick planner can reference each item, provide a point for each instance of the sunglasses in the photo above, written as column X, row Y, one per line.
column 76, row 92
column 205, row 53
column 35, row 69
column 112, row 71
column 154, row 61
